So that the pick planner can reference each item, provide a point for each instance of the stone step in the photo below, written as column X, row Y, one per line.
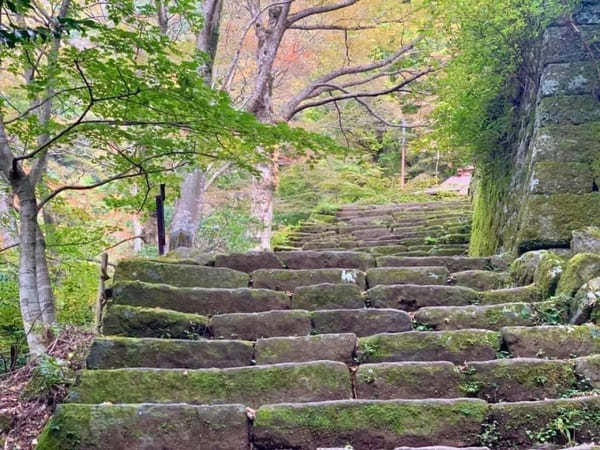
column 146, row 426
column 481, row 280
column 560, row 342
column 249, row 262
column 494, row 381
column 523, row 424
column 290, row 280
column 522, row 294
column 120, row 320
column 410, row 297
column 361, row 322
column 454, row 264
column 251, row 386
column 490, row 317
column 328, row 296
column 122, row 352
column 407, row 275
column 198, row 300
column 454, row 346
column 331, row 347
column 369, row 424
column 181, row 275
column 326, row 260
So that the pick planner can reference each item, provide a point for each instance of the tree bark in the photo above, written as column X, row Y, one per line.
column 8, row 224
column 188, row 209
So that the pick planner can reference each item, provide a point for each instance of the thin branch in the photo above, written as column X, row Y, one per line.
column 133, row 238
column 293, row 18
column 332, row 27
column 358, row 95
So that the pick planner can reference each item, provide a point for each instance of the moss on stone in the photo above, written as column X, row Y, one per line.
column 548, row 273
column 130, row 321
column 580, row 269
column 523, row 294
column 252, row 386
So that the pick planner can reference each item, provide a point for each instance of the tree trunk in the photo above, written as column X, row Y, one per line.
column 28, row 284
column 261, row 207
column 8, row 225
column 45, row 294
column 188, row 211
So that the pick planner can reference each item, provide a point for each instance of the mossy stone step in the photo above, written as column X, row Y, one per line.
column 181, row 275
column 492, row 317
column 290, row 280
column 481, row 280
column 362, row 322
column 147, row 426
column 407, row 275
column 331, row 347
column 453, row 263
column 524, row 424
column 120, row 352
column 249, row 262
column 253, row 326
column 408, row 380
column 383, row 250
column 198, row 300
column 326, row 260
column 494, row 381
column 454, row 346
column 328, row 296
column 522, row 294
column 120, row 320
column 251, row 386
column 369, row 424
column 552, row 341
column 410, row 297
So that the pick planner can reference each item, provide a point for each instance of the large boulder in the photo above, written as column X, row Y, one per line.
column 548, row 273
column 584, row 302
column 586, row 240
column 580, row 269
column 522, row 270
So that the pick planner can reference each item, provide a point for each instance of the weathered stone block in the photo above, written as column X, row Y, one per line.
column 253, row 326
column 191, row 255
column 151, row 427
column 454, row 346
column 367, row 425
column 198, row 300
column 119, row 320
column 548, row 220
column 514, row 380
column 580, row 269
column 327, row 260
column 251, row 386
column 182, row 275
column 586, row 240
column 330, row 347
column 584, row 302
column 588, row 369
column 575, row 78
column 117, row 352
column 492, row 317
column 567, row 109
column 328, row 296
column 558, row 177
column 560, row 342
column 408, row 380
column 523, row 294
column 481, row 280
column 362, row 322
column 522, row 269
column 548, row 273
column 407, row 275
column 567, row 143
column 290, row 280
column 521, row 424
column 410, row 297
column 561, row 46
column 452, row 263
column 249, row 262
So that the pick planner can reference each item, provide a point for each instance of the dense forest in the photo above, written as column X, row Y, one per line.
column 254, row 115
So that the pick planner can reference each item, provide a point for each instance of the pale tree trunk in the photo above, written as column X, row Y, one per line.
column 138, row 230
column 8, row 224
column 188, row 209
column 261, row 104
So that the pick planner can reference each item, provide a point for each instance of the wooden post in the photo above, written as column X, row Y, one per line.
column 160, row 223
column 101, row 302
column 403, row 168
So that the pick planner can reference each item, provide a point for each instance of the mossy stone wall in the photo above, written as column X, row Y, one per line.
column 543, row 183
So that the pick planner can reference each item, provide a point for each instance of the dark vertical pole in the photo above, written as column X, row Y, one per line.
column 163, row 192
column 160, row 224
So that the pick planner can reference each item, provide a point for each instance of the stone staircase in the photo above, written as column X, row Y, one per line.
column 378, row 333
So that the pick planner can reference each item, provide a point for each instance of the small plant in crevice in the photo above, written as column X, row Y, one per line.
column 50, row 379
column 553, row 312
column 489, row 436
column 418, row 326
column 564, row 427
column 366, row 352
column 430, row 240
column 503, row 354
